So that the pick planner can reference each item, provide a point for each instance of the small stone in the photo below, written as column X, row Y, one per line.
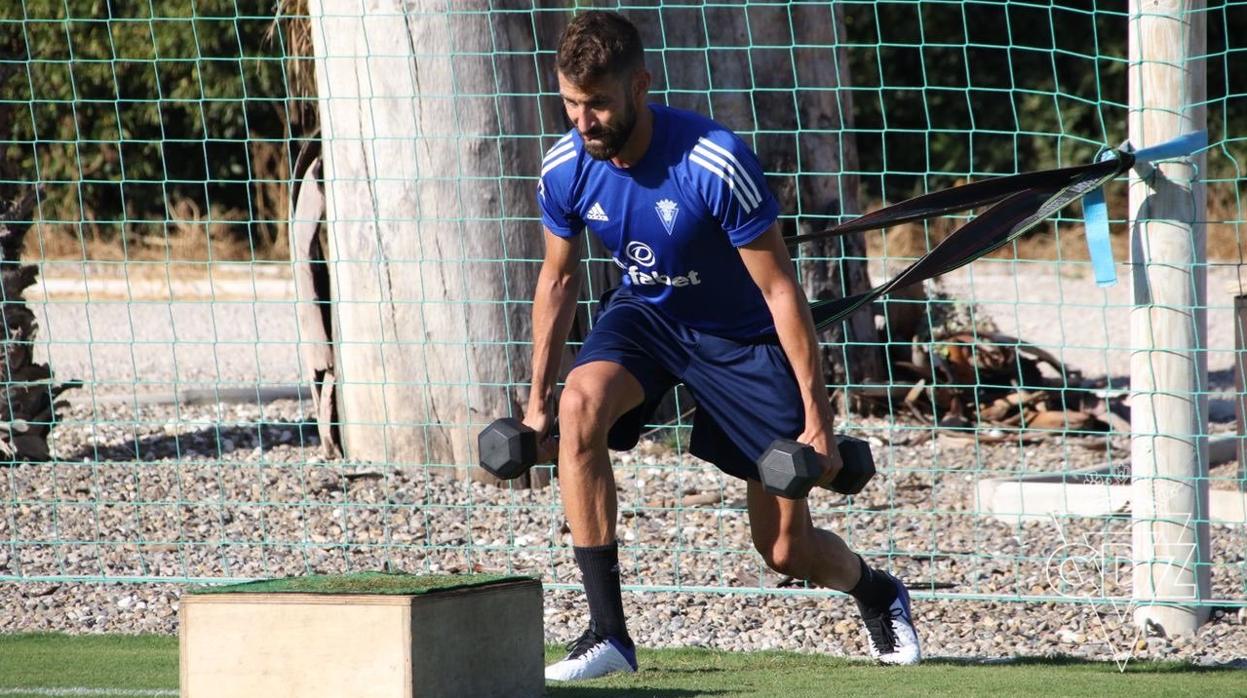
column 844, row 627
column 1070, row 637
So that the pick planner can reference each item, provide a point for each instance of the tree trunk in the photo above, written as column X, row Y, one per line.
column 312, row 293
column 429, row 200
column 789, row 93
column 828, row 160
column 429, row 120
column 28, row 391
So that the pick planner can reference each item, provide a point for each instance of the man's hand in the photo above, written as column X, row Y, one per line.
column 539, row 419
column 819, row 436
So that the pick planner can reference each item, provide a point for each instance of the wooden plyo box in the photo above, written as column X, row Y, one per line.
column 478, row 641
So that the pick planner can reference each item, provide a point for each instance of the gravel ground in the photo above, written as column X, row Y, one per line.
column 240, row 491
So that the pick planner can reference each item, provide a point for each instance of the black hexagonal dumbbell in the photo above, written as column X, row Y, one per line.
column 508, row 448
column 789, row 468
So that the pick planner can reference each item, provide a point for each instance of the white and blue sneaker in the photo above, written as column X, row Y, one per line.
column 891, row 631
column 591, row 656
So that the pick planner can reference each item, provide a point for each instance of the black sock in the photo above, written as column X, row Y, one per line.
column 874, row 592
column 599, row 566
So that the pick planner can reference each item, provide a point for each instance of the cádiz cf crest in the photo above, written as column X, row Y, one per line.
column 667, row 211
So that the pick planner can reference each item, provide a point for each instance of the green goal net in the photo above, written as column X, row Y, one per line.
column 258, row 404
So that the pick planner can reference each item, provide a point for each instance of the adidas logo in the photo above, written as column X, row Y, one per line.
column 596, row 213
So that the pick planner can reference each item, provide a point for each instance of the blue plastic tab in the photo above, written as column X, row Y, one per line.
column 1176, row 148
column 1099, row 248
column 1095, row 211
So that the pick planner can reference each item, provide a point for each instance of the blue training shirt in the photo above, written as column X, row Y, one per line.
column 672, row 221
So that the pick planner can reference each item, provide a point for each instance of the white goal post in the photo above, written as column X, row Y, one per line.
column 1168, row 324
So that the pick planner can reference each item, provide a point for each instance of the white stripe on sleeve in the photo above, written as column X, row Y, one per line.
column 745, row 204
column 744, row 174
column 730, row 172
column 558, row 150
column 551, row 164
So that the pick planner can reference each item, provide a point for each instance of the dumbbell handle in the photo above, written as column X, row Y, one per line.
column 857, row 465
column 845, row 481
column 553, row 434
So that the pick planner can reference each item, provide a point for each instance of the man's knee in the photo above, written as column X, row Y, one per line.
column 582, row 415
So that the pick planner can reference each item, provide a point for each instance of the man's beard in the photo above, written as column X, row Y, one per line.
column 609, row 140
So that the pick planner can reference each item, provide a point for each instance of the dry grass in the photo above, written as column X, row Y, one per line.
column 192, row 236
column 189, row 236
column 1227, row 223
column 271, row 198
column 296, row 36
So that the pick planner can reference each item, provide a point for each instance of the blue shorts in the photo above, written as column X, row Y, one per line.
column 747, row 395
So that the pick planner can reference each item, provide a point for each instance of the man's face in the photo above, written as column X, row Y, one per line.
column 603, row 111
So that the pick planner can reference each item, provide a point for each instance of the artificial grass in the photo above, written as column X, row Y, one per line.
column 362, row 583
column 672, row 673
column 55, row 660
column 146, row 662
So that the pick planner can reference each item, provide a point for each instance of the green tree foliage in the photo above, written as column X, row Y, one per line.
column 139, row 114
column 135, row 114
column 953, row 90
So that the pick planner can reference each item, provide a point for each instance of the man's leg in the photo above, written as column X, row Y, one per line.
column 786, row 537
column 784, row 534
column 596, row 395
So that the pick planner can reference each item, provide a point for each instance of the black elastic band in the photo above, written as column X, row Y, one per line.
column 969, row 196
column 1021, row 202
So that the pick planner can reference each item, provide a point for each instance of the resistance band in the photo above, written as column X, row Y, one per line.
column 1019, row 203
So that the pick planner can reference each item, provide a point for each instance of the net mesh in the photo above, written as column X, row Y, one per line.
column 164, row 138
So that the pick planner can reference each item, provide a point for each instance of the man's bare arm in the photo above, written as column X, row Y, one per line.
column 554, row 306
column 770, row 266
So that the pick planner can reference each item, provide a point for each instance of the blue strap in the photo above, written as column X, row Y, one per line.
column 1099, row 248
column 1179, row 147
column 1095, row 212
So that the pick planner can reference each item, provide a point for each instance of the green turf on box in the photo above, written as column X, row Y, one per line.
column 362, row 583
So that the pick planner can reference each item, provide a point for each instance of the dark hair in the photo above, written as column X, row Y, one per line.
column 599, row 44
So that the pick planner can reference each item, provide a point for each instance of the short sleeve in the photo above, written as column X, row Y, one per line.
column 731, row 181
column 558, row 169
